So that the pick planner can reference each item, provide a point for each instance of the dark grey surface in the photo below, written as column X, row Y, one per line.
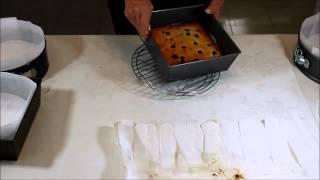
column 266, row 16
column 62, row 16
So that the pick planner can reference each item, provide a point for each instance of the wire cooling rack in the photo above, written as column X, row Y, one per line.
column 145, row 68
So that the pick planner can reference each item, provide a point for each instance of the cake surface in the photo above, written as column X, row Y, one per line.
column 184, row 43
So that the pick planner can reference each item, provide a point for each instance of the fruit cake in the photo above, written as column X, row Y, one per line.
column 184, row 43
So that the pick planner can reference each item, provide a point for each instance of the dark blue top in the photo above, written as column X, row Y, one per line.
column 166, row 4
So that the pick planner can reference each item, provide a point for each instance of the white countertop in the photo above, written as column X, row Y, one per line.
column 90, row 86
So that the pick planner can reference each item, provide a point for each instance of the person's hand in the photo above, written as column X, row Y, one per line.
column 215, row 7
column 139, row 13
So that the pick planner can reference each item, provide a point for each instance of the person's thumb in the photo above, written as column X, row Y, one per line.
column 143, row 31
column 208, row 11
column 145, row 25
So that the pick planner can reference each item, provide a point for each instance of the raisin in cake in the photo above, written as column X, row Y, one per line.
column 183, row 43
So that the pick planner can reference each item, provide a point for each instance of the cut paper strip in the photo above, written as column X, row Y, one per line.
column 126, row 139
column 280, row 151
column 212, row 154
column 233, row 153
column 257, row 153
column 146, row 150
column 307, row 155
column 189, row 138
column 212, row 138
column 148, row 136
column 304, row 127
column 168, row 146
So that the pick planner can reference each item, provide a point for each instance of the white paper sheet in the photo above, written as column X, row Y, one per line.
column 213, row 149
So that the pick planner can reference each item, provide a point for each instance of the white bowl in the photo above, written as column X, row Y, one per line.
column 310, row 34
column 20, row 41
column 16, row 94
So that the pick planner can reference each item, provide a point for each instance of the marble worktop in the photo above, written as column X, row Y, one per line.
column 90, row 86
